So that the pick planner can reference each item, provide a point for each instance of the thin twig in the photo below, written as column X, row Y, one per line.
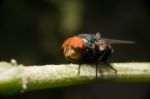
column 20, row 78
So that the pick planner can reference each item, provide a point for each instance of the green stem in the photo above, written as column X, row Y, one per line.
column 19, row 78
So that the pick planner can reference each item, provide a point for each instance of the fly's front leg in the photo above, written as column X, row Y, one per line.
column 79, row 69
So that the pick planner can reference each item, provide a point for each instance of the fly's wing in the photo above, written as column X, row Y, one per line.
column 114, row 41
column 100, row 40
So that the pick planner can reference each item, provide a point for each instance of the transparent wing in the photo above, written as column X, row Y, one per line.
column 114, row 41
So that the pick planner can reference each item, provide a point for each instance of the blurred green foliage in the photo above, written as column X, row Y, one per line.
column 31, row 31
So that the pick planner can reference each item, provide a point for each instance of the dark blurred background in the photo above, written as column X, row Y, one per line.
column 31, row 31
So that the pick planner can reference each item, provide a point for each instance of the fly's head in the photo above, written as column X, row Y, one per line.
column 73, row 48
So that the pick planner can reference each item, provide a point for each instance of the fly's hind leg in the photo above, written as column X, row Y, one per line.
column 111, row 67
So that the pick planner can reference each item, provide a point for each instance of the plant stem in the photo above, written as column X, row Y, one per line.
column 20, row 78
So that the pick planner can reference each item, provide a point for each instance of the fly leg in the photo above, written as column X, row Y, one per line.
column 111, row 67
column 79, row 69
column 96, row 65
column 98, row 69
